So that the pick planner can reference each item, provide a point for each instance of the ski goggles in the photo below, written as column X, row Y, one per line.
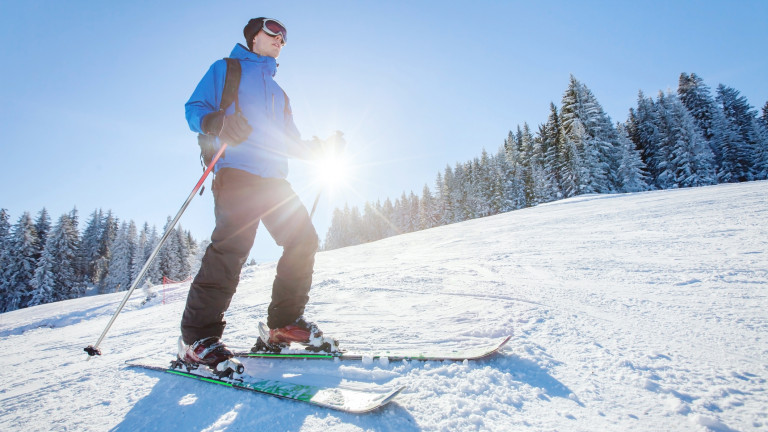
column 274, row 27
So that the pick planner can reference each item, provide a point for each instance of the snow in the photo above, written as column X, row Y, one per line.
column 642, row 311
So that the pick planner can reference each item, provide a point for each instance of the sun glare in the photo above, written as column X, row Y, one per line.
column 332, row 171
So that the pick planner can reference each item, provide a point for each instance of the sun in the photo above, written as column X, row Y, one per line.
column 332, row 171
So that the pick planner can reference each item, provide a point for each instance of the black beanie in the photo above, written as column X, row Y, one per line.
column 250, row 30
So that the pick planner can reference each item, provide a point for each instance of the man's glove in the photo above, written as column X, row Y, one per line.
column 233, row 129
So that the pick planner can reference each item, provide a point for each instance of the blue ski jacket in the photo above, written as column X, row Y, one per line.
column 275, row 137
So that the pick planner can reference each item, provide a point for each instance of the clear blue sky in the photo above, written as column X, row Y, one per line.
column 93, row 93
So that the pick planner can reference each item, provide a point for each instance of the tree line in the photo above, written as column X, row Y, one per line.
column 43, row 262
column 692, row 137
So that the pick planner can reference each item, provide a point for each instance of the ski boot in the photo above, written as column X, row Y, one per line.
column 300, row 331
column 209, row 352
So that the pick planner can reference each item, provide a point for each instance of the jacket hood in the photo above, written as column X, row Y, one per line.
column 244, row 54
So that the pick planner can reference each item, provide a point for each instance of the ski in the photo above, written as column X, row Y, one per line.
column 301, row 352
column 342, row 398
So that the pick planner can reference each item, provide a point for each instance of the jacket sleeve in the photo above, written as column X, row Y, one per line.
column 297, row 147
column 207, row 96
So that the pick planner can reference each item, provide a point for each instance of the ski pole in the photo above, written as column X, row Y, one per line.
column 314, row 206
column 93, row 350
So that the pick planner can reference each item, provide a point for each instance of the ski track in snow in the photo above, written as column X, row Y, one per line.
column 640, row 311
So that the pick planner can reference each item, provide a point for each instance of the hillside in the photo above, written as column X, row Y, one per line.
column 642, row 311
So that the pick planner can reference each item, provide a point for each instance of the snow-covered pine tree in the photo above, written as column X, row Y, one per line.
column 761, row 152
column 110, row 226
column 586, row 124
column 741, row 137
column 697, row 98
column 447, row 197
column 42, row 226
column 642, row 129
column 388, row 213
column 473, row 186
column 761, row 159
column 182, row 255
column 631, row 171
column 5, row 250
column 555, row 157
column 458, row 194
column 154, row 275
column 56, row 273
column 503, row 178
column 168, row 256
column 369, row 231
column 140, row 256
column 413, row 211
column 441, row 199
column 191, row 259
column 119, row 274
column 21, row 265
column 428, row 217
column 88, row 250
column 691, row 158
column 496, row 177
column 662, row 158
column 514, row 187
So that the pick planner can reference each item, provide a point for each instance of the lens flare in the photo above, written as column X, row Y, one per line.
column 332, row 171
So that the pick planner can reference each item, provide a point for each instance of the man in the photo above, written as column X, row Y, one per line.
column 249, row 187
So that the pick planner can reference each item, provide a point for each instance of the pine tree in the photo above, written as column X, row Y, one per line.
column 334, row 237
column 741, row 137
column 88, row 250
column 514, row 187
column 447, row 196
column 106, row 240
column 761, row 157
column 5, row 250
column 119, row 275
column 642, row 129
column 168, row 256
column 191, row 263
column 55, row 276
column 429, row 208
column 698, row 100
column 692, row 158
column 631, row 170
column 42, row 226
column 556, row 156
column 587, row 125
column 21, row 265
column 182, row 255
column 154, row 274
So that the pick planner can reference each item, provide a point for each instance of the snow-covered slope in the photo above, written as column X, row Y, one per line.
column 630, row 312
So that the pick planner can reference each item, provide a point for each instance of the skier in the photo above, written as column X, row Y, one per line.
column 249, row 187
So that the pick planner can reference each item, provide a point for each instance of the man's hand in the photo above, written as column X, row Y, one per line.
column 233, row 129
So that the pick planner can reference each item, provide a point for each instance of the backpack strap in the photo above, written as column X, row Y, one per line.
column 231, row 84
column 207, row 143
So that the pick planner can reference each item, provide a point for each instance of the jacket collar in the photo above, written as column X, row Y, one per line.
column 244, row 54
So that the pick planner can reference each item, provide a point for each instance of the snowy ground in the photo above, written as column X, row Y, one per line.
column 630, row 312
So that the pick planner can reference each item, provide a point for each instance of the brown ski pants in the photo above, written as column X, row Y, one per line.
column 242, row 200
